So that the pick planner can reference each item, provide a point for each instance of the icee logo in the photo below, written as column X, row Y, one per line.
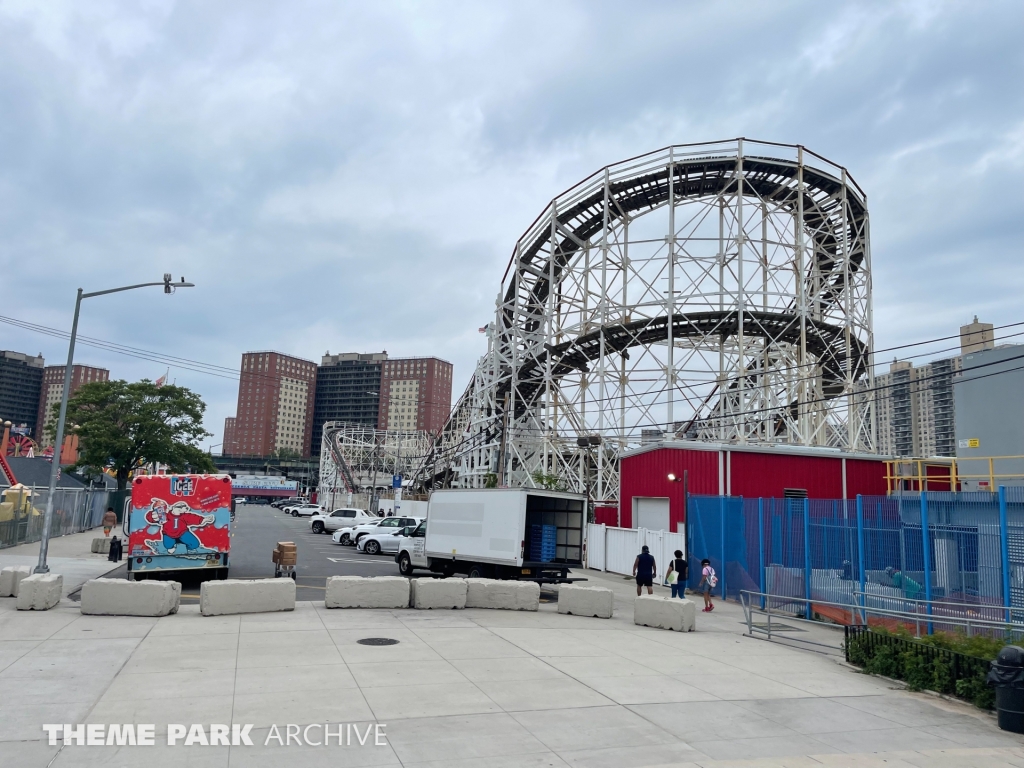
column 182, row 486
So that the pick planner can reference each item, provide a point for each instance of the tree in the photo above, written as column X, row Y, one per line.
column 551, row 482
column 286, row 453
column 122, row 426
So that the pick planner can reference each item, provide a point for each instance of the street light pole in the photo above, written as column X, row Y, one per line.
column 44, row 543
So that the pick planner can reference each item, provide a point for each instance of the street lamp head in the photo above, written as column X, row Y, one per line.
column 170, row 287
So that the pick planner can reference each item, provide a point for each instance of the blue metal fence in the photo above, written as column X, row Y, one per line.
column 941, row 547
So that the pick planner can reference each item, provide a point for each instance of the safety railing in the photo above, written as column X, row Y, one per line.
column 770, row 606
column 941, row 609
column 941, row 474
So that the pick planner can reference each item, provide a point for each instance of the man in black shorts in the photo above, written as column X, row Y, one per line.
column 645, row 570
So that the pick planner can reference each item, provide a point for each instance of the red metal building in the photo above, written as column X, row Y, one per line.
column 652, row 478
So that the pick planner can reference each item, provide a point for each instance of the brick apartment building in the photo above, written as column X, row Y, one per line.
column 275, row 406
column 53, row 390
column 415, row 394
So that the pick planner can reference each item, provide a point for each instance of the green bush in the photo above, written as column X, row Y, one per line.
column 906, row 659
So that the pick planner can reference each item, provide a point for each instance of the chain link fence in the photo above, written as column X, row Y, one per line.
column 74, row 510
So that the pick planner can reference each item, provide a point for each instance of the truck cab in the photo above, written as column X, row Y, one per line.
column 505, row 533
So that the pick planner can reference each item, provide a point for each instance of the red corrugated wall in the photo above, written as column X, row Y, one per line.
column 865, row 477
column 753, row 475
column 646, row 474
column 769, row 474
column 606, row 515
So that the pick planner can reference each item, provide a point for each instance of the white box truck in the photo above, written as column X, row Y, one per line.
column 501, row 533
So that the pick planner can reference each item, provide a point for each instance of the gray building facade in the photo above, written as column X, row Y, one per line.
column 990, row 418
column 347, row 390
column 21, row 382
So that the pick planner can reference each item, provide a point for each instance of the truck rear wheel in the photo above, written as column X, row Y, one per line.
column 404, row 564
column 479, row 572
column 318, row 527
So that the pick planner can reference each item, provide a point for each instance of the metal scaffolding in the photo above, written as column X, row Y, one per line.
column 717, row 292
column 357, row 459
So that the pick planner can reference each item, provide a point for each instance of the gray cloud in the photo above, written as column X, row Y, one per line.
column 354, row 176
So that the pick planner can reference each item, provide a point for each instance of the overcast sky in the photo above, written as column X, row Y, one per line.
column 353, row 176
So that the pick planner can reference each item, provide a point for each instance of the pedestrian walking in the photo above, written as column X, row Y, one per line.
column 109, row 521
column 708, row 579
column 645, row 570
column 677, row 574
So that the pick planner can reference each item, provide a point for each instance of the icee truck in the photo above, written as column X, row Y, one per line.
column 501, row 533
column 178, row 523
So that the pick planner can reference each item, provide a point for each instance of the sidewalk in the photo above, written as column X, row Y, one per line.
column 468, row 688
column 70, row 556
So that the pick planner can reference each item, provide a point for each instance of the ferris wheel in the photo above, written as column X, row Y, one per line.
column 20, row 445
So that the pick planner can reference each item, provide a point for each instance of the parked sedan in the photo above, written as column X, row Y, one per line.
column 387, row 524
column 340, row 518
column 305, row 510
column 384, row 541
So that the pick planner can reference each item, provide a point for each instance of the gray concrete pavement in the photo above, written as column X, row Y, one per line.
column 68, row 555
column 468, row 688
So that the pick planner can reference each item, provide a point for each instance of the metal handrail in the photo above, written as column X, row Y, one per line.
column 904, row 616
column 938, row 603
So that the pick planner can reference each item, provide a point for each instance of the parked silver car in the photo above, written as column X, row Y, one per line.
column 387, row 524
column 384, row 541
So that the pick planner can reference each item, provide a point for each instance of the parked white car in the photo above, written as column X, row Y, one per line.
column 304, row 510
column 384, row 541
column 346, row 517
column 383, row 525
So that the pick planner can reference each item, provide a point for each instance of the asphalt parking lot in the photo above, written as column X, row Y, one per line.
column 255, row 533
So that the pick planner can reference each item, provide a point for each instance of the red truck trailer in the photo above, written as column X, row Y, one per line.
column 179, row 523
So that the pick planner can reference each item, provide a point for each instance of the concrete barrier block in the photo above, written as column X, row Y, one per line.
column 585, row 601
column 367, row 592
column 40, row 591
column 118, row 597
column 218, row 598
column 10, row 578
column 502, row 595
column 665, row 613
column 101, row 545
column 438, row 593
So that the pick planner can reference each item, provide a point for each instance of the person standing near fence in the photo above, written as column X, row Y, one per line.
column 109, row 521
column 645, row 570
column 678, row 572
column 708, row 579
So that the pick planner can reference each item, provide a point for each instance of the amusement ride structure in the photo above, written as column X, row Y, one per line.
column 716, row 292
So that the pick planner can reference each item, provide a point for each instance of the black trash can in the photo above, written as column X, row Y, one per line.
column 1006, row 674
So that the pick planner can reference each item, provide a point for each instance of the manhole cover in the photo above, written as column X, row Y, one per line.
column 377, row 641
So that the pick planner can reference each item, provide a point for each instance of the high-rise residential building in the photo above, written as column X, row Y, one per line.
column 347, row 390
column 916, row 407
column 53, row 390
column 974, row 337
column 275, row 405
column 415, row 394
column 228, row 444
column 21, row 380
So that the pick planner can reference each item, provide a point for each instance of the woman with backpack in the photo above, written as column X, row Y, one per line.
column 708, row 579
